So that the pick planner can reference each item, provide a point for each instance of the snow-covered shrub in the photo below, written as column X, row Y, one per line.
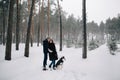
column 93, row 45
column 69, row 43
column 112, row 46
column 78, row 45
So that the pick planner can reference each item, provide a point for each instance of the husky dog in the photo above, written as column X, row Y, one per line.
column 60, row 62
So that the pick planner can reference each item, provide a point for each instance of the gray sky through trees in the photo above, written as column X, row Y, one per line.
column 97, row 10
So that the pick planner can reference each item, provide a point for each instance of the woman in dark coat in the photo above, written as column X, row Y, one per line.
column 52, row 53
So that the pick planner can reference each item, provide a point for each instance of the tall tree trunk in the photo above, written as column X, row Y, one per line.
column 48, row 14
column 38, row 38
column 42, row 21
column 60, row 32
column 17, row 26
column 60, row 25
column 32, row 29
column 31, row 36
column 3, row 25
column 31, row 40
column 9, row 32
column 84, row 31
column 32, row 24
column 26, row 54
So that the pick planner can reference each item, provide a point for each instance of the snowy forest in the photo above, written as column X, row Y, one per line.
column 91, row 50
column 42, row 18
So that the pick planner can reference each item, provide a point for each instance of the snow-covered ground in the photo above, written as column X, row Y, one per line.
column 99, row 65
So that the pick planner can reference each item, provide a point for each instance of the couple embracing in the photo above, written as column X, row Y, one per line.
column 49, row 48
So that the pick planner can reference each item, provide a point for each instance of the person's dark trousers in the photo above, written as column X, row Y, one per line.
column 53, row 62
column 45, row 60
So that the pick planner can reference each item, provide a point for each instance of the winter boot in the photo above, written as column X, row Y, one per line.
column 44, row 69
column 54, row 68
column 49, row 66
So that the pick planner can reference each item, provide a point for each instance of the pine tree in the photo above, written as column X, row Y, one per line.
column 26, row 54
column 93, row 45
column 17, row 26
column 4, row 4
column 112, row 46
column 9, row 32
column 84, row 31
column 60, row 25
column 38, row 38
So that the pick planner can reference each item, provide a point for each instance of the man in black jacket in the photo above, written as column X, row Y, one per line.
column 45, row 51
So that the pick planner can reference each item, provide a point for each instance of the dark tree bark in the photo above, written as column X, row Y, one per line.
column 9, row 32
column 48, row 15
column 38, row 38
column 60, row 26
column 26, row 54
column 84, row 31
column 17, row 26
column 4, row 4
column 32, row 26
column 31, row 40
column 60, row 32
column 42, row 21
column 3, row 25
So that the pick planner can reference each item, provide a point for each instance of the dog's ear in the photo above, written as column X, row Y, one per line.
column 64, row 58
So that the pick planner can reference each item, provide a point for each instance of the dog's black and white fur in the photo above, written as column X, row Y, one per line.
column 60, row 62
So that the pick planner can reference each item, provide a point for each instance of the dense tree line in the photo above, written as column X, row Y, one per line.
column 72, row 28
